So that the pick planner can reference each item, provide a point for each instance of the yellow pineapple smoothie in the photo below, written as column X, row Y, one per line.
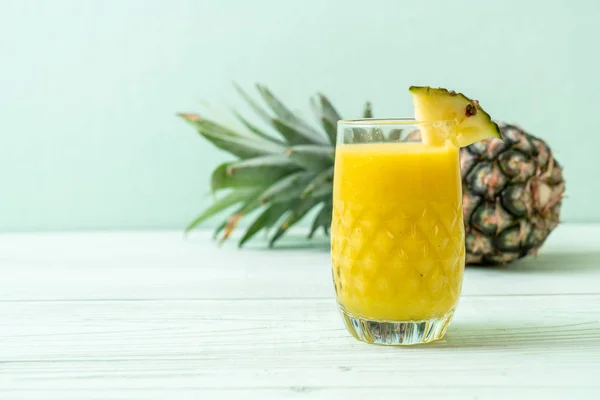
column 397, row 231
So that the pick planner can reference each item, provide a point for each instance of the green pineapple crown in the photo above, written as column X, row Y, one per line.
column 285, row 171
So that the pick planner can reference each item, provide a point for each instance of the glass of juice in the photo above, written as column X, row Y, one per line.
column 397, row 234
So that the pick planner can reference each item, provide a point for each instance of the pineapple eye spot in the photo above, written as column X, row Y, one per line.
column 470, row 110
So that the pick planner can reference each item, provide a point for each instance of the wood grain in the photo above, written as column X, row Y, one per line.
column 153, row 316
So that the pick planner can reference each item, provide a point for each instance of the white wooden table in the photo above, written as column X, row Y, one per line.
column 156, row 316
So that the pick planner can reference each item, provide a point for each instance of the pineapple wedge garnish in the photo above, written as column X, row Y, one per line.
column 466, row 122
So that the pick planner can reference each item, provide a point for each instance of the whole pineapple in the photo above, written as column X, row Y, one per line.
column 512, row 193
column 512, row 189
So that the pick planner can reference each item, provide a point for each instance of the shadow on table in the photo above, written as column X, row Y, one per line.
column 467, row 335
column 554, row 262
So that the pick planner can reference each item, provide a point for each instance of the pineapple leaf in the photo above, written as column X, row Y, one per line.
column 329, row 111
column 219, row 228
column 294, row 130
column 230, row 141
column 331, row 129
column 324, row 189
column 285, row 115
column 257, row 131
column 395, row 135
column 297, row 212
column 329, row 126
column 377, row 135
column 329, row 118
column 244, row 147
column 287, row 123
column 277, row 106
column 253, row 104
column 233, row 220
column 323, row 219
column 286, row 188
column 221, row 204
column 271, row 161
column 203, row 124
column 312, row 157
column 294, row 135
column 315, row 107
column 324, row 176
column 264, row 220
column 258, row 171
column 368, row 111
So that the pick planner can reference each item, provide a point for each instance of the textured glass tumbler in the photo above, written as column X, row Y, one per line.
column 397, row 235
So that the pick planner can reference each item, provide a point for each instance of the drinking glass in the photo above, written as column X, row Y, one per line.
column 397, row 235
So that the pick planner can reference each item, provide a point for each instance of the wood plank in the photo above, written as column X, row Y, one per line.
column 313, row 393
column 297, row 348
column 141, row 265
column 150, row 315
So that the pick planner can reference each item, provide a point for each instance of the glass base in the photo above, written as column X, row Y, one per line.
column 396, row 333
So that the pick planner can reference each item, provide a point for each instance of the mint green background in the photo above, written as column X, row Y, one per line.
column 89, row 89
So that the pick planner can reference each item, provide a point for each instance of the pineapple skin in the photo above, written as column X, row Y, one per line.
column 512, row 194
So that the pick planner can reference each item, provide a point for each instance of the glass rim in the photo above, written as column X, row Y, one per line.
column 390, row 121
